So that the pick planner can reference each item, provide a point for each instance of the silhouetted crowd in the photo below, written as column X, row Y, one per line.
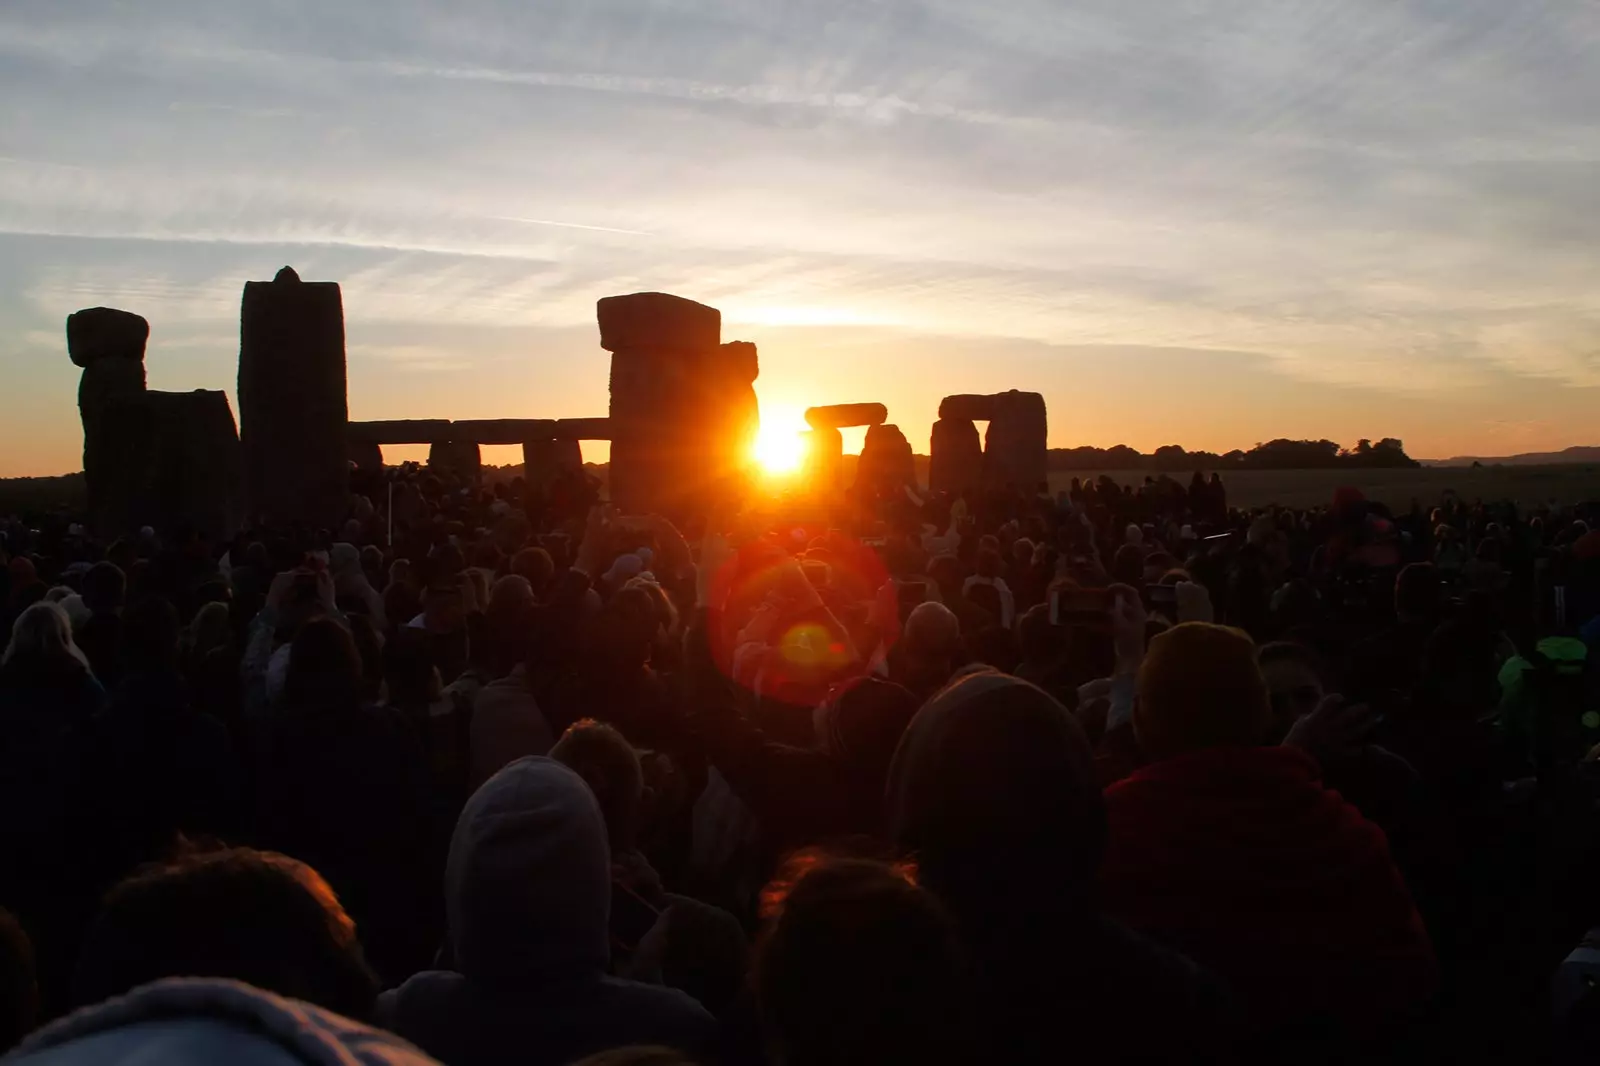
column 492, row 777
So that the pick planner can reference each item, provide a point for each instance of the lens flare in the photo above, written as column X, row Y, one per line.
column 779, row 451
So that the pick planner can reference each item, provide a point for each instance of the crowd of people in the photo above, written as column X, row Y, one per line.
column 1120, row 774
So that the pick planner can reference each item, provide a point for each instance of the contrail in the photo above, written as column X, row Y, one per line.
column 573, row 225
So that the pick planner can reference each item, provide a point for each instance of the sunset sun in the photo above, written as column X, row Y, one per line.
column 778, row 450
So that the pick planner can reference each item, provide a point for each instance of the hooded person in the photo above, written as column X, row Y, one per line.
column 993, row 794
column 1235, row 853
column 527, row 903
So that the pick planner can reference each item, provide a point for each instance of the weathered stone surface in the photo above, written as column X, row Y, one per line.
column 401, row 431
column 658, row 320
column 1015, row 452
column 684, row 414
column 176, row 465
column 105, row 333
column 576, row 429
column 840, row 415
column 502, row 430
column 956, row 456
column 461, row 459
column 545, row 460
column 886, row 463
column 967, row 408
column 365, row 452
column 824, row 455
column 293, row 413
column 739, row 361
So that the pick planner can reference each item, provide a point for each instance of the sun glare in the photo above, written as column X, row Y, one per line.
column 778, row 450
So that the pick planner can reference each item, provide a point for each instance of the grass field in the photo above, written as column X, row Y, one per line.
column 1397, row 488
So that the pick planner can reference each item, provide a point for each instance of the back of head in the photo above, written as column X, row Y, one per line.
column 861, row 966
column 1127, row 566
column 610, row 767
column 104, row 586
column 988, row 563
column 528, row 879
column 1200, row 687
column 862, row 725
column 1418, row 592
column 993, row 792
column 535, row 566
column 149, row 636
column 257, row 917
column 42, row 635
column 324, row 668
column 1458, row 679
column 211, row 628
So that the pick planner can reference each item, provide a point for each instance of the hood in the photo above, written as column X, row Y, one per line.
column 993, row 791
column 528, row 881
column 183, row 1021
column 344, row 559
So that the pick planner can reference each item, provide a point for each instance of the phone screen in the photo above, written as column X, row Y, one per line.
column 1076, row 607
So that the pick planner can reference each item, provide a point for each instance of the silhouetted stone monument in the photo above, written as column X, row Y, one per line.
column 955, row 462
column 1015, row 451
column 292, row 407
column 169, row 460
column 683, row 406
column 843, row 415
column 886, row 464
column 823, row 457
column 461, row 458
column 364, row 453
column 545, row 461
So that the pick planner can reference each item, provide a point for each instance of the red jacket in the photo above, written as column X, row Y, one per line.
column 1240, row 858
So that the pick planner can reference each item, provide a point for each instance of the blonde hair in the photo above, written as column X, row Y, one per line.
column 43, row 632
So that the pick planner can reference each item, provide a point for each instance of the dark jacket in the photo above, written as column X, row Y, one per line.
column 159, row 769
column 347, row 789
column 993, row 793
column 527, row 900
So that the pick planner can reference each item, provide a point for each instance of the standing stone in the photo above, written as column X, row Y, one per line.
column 886, row 463
column 1016, row 453
column 366, row 454
column 840, row 415
column 683, row 406
column 461, row 459
column 545, row 461
column 292, row 400
column 824, row 457
column 955, row 462
column 177, row 464
column 109, row 344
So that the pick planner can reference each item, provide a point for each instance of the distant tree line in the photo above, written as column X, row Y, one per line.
column 1281, row 454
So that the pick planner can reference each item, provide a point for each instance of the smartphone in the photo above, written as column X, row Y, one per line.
column 910, row 593
column 1161, row 595
column 1077, row 607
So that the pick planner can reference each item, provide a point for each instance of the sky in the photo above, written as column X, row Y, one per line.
column 1200, row 222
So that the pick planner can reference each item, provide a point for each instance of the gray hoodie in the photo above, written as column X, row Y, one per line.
column 528, row 902
column 193, row 1022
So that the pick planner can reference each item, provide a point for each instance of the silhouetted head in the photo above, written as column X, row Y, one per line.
column 324, row 669
column 536, row 567
column 149, row 636
column 42, row 637
column 1418, row 593
column 1200, row 687
column 252, row 916
column 993, row 794
column 859, row 966
column 610, row 767
column 104, row 587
